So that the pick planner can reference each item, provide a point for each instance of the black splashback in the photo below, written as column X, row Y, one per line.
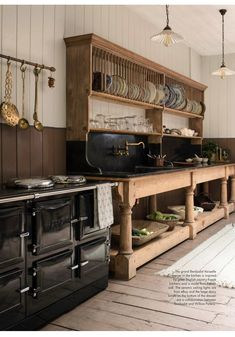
column 100, row 151
column 76, row 158
column 179, row 149
column 97, row 153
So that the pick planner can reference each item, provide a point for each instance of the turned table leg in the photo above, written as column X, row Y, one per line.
column 206, row 187
column 152, row 203
column 223, row 192
column 125, row 244
column 189, row 215
column 232, row 197
column 124, row 261
column 224, row 197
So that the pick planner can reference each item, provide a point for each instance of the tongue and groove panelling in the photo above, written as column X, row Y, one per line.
column 29, row 153
column 35, row 33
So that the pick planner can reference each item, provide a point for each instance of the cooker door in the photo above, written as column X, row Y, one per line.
column 85, row 206
column 93, row 260
column 11, row 226
column 12, row 298
column 50, row 278
column 51, row 225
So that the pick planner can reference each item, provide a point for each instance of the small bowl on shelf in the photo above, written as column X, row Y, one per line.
column 189, row 160
column 197, row 160
column 180, row 210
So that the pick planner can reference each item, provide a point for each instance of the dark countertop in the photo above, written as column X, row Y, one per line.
column 141, row 171
column 16, row 194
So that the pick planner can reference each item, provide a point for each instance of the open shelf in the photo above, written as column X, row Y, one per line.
column 116, row 75
column 178, row 136
column 169, row 239
column 182, row 113
column 128, row 132
column 118, row 99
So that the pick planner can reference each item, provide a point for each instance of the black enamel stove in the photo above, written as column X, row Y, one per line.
column 53, row 255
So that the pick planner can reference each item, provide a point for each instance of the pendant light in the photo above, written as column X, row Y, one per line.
column 167, row 36
column 223, row 70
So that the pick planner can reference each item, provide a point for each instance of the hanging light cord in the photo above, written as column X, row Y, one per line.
column 223, row 65
column 223, row 12
column 167, row 16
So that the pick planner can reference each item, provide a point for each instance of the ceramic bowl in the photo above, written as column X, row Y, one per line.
column 180, row 210
column 197, row 160
column 189, row 160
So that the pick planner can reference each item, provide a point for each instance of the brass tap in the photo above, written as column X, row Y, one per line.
column 124, row 151
column 132, row 144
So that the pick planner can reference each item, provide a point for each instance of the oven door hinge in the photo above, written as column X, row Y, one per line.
column 34, row 292
column 34, row 250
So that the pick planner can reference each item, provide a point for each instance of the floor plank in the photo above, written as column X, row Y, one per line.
column 142, row 303
column 55, row 327
column 95, row 319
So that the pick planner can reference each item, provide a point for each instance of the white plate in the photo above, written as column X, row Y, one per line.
column 152, row 90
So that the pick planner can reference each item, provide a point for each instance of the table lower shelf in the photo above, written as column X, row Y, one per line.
column 167, row 240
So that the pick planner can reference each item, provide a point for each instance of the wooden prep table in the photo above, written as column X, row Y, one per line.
column 125, row 260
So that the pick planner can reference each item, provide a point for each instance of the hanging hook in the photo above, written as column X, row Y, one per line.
column 8, row 60
column 22, row 68
column 37, row 70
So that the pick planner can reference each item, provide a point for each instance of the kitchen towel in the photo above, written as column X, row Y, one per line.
column 105, row 205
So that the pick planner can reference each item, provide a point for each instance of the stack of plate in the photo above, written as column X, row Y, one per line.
column 177, row 96
column 162, row 94
column 195, row 107
column 119, row 86
column 170, row 95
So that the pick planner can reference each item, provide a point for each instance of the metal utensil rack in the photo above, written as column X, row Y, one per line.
column 42, row 66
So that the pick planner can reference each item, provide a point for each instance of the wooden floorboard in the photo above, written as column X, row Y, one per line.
column 142, row 303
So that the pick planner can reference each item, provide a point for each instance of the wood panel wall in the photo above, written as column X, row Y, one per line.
column 219, row 98
column 29, row 153
column 36, row 33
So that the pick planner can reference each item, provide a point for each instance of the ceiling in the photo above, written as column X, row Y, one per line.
column 200, row 25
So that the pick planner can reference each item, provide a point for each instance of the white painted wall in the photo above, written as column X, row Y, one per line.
column 219, row 98
column 36, row 33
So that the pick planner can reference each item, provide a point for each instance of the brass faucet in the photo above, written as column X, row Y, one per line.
column 132, row 144
column 124, row 151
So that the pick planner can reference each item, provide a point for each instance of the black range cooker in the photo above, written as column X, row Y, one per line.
column 53, row 254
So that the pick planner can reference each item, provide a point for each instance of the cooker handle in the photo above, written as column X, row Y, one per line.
column 74, row 267
column 82, row 264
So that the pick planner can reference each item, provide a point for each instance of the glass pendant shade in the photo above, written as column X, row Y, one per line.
column 223, row 70
column 167, row 36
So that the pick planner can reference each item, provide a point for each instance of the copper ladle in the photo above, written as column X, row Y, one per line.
column 37, row 124
column 23, row 122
